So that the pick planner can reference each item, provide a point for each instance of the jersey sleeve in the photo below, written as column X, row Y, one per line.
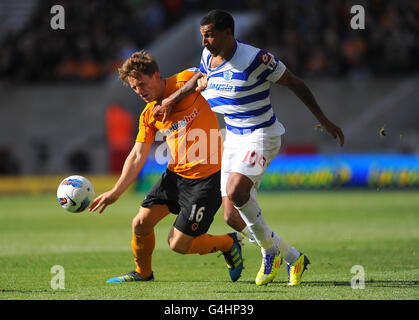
column 146, row 129
column 272, row 68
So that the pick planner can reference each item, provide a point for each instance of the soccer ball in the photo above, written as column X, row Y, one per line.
column 75, row 193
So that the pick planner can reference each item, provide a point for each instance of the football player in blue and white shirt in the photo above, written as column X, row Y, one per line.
column 235, row 79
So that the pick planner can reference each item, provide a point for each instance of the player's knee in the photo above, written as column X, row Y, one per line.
column 136, row 226
column 174, row 246
column 140, row 225
column 177, row 244
column 238, row 189
column 237, row 195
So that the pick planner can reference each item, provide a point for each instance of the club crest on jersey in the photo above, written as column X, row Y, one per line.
column 228, row 75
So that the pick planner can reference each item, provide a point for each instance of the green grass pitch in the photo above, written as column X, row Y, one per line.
column 378, row 230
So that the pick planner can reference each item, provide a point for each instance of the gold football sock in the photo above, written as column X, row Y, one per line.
column 142, row 247
column 206, row 243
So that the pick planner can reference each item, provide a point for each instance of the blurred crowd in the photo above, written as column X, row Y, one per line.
column 315, row 38
column 312, row 37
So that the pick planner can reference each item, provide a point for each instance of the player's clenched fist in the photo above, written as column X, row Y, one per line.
column 202, row 83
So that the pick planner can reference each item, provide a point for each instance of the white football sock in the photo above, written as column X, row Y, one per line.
column 288, row 253
column 256, row 223
column 246, row 232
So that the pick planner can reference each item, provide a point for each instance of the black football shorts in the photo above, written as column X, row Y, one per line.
column 195, row 201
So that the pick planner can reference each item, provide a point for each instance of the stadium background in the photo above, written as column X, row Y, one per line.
column 64, row 111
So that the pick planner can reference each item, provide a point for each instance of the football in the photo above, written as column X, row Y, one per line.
column 75, row 193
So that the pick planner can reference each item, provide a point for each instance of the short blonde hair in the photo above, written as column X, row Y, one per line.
column 140, row 61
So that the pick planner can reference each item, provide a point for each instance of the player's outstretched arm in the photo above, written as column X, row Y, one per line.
column 300, row 89
column 166, row 105
column 132, row 167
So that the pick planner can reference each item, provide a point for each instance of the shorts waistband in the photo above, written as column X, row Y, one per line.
column 246, row 130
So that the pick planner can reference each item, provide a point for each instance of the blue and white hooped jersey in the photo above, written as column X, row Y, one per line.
column 239, row 87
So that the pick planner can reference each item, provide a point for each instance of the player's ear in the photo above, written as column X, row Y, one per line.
column 228, row 32
column 156, row 75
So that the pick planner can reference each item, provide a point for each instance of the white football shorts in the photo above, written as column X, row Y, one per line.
column 250, row 154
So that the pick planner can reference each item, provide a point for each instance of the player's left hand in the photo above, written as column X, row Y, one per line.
column 334, row 130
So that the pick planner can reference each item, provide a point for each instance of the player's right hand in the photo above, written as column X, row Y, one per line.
column 103, row 201
column 334, row 130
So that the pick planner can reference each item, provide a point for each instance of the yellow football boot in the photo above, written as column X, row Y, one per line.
column 269, row 269
column 296, row 270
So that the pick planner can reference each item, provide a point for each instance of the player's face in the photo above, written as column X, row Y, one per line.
column 212, row 39
column 147, row 87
